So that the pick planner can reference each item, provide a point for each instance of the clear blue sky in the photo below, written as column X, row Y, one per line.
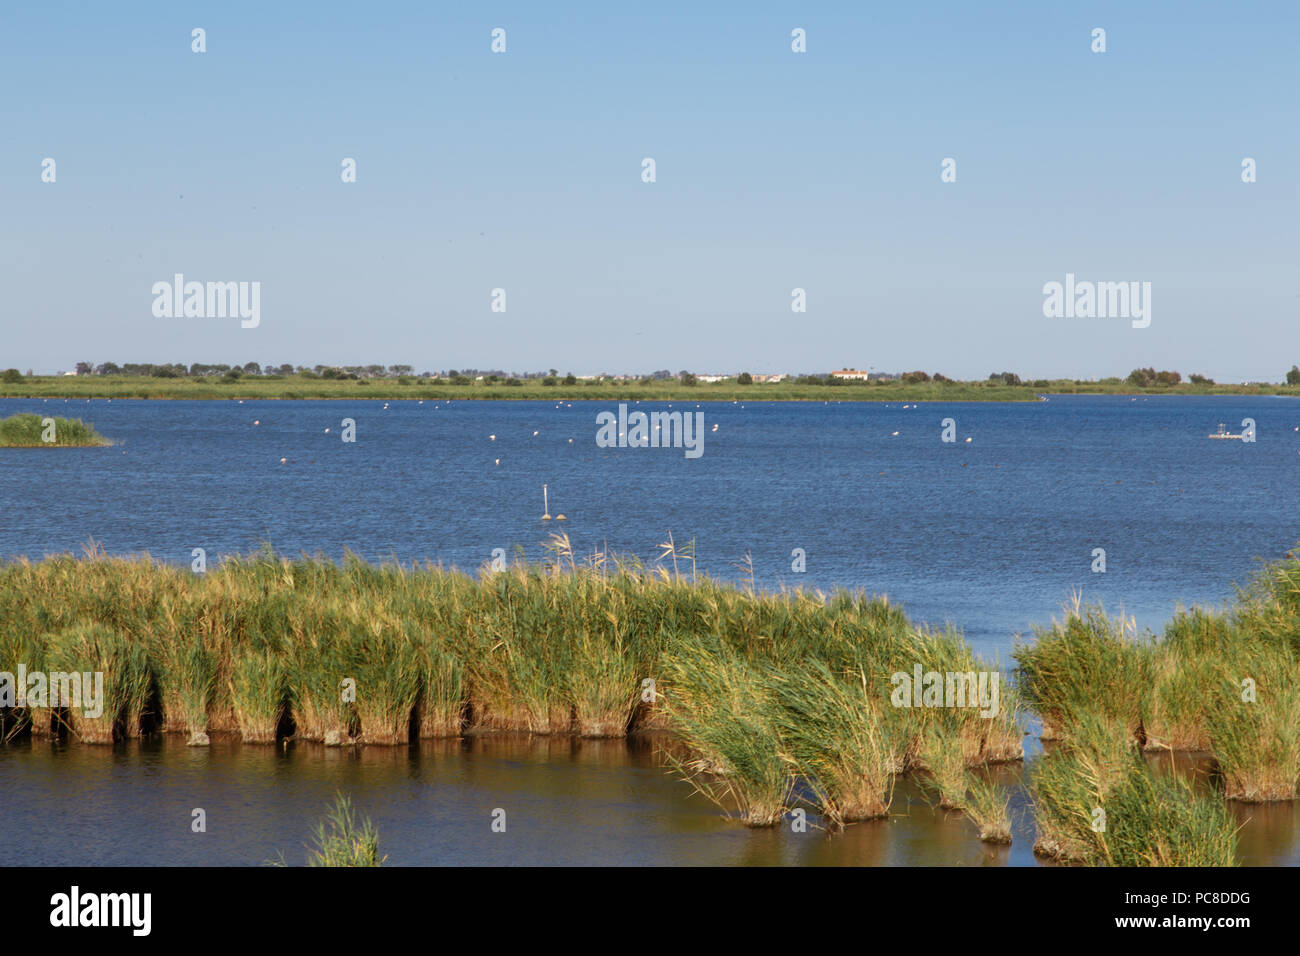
column 775, row 170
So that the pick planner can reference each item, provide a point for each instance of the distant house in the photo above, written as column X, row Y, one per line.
column 69, row 373
column 769, row 379
column 853, row 374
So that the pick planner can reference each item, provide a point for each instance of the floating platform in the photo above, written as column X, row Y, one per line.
column 1221, row 433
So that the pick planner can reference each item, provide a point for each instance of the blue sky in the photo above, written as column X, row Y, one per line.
column 775, row 170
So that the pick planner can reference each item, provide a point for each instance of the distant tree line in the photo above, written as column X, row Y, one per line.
column 1139, row 377
column 251, row 369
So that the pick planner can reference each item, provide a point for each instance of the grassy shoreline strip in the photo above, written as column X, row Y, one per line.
column 295, row 387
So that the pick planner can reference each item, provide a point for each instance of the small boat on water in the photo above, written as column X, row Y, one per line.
column 1223, row 433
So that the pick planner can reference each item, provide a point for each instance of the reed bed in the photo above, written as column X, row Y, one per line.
column 1087, row 663
column 258, row 694
column 721, row 707
column 772, row 699
column 1253, row 717
column 767, row 693
column 764, row 724
column 1097, row 802
column 1226, row 682
column 842, row 736
column 96, row 649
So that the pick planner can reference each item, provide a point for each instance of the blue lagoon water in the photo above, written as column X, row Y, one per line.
column 991, row 535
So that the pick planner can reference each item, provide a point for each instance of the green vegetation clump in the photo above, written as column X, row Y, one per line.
column 32, row 431
column 260, row 646
column 340, row 841
column 1227, row 683
column 1097, row 802
column 771, row 701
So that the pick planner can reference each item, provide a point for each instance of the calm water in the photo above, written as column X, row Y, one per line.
column 567, row 801
column 991, row 535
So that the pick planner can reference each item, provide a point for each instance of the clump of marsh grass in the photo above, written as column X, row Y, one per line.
column 340, row 841
column 316, row 666
column 1086, row 663
column 1097, row 802
column 1071, row 782
column 515, row 684
column 442, row 700
column 1161, row 820
column 941, row 755
column 601, row 683
column 719, row 705
column 988, row 804
column 1254, row 723
column 258, row 693
column 388, row 671
column 19, row 648
column 1268, row 609
column 988, row 730
column 841, row 739
column 1182, row 669
column 29, row 431
column 186, row 674
column 92, row 649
